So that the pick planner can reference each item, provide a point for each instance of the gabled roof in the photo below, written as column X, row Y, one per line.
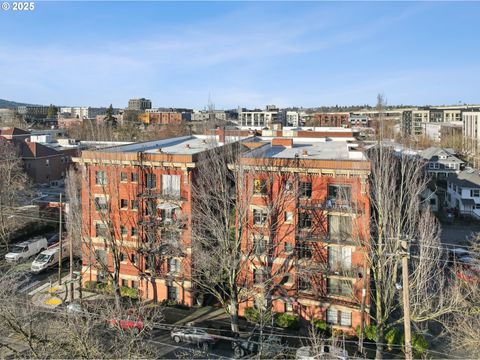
column 35, row 150
column 434, row 154
column 13, row 131
column 467, row 178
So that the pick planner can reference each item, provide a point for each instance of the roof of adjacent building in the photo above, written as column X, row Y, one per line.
column 434, row 154
column 468, row 178
column 13, row 131
column 184, row 145
column 304, row 148
column 35, row 150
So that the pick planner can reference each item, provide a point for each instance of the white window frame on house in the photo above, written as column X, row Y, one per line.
column 474, row 192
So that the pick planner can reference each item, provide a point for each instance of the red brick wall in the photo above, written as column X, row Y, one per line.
column 331, row 119
column 284, row 263
column 128, row 190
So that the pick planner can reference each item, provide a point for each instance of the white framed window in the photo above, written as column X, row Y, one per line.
column 340, row 257
column 339, row 317
column 475, row 192
column 171, row 185
column 288, row 216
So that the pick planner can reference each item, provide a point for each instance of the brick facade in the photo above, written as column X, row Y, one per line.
column 304, row 277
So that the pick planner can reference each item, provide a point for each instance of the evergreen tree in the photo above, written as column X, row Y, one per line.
column 109, row 118
column 52, row 111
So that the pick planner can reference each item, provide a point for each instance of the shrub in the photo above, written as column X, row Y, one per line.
column 392, row 337
column 251, row 314
column 370, row 332
column 286, row 320
column 168, row 302
column 419, row 343
column 129, row 292
column 90, row 285
column 320, row 324
column 106, row 288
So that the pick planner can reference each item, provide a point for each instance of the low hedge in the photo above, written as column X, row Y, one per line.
column 287, row 321
column 320, row 325
column 129, row 292
column 251, row 314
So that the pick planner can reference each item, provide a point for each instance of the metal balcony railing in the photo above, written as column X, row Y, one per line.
column 333, row 205
column 352, row 272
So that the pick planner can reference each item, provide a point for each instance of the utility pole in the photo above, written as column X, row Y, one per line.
column 406, row 302
column 362, row 308
column 60, row 242
column 71, row 286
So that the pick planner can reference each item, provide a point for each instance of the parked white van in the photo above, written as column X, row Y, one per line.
column 27, row 249
column 47, row 258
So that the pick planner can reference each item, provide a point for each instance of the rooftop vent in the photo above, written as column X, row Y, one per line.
column 204, row 141
column 187, row 146
column 159, row 150
column 305, row 153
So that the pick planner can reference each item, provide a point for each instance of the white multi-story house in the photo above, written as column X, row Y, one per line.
column 260, row 118
column 441, row 162
column 463, row 192
column 82, row 112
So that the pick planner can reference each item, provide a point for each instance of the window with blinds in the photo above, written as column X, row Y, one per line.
column 340, row 227
column 171, row 185
column 339, row 317
column 339, row 258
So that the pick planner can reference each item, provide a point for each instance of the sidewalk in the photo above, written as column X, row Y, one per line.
column 53, row 295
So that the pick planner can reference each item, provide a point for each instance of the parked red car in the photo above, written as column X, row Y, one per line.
column 127, row 324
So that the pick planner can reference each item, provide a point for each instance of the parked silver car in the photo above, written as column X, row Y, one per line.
column 193, row 335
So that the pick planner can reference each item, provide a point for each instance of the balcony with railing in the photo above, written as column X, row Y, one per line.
column 332, row 205
column 165, row 194
column 339, row 270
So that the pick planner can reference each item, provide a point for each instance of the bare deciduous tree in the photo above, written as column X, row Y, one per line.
column 13, row 185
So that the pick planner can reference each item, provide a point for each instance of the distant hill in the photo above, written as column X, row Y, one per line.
column 10, row 104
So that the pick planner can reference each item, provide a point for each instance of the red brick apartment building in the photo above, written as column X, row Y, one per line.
column 147, row 188
column 161, row 118
column 307, row 229
column 331, row 119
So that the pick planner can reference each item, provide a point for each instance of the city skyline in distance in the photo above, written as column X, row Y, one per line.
column 242, row 54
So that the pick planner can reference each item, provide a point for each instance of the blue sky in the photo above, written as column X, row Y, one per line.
column 243, row 54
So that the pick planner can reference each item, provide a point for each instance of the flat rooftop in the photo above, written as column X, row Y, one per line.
column 184, row 145
column 305, row 148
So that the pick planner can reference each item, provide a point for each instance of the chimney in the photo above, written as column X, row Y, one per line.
column 221, row 135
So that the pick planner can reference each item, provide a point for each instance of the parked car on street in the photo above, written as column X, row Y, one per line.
column 456, row 253
column 323, row 352
column 47, row 259
column 132, row 323
column 271, row 346
column 193, row 335
column 52, row 239
column 26, row 249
